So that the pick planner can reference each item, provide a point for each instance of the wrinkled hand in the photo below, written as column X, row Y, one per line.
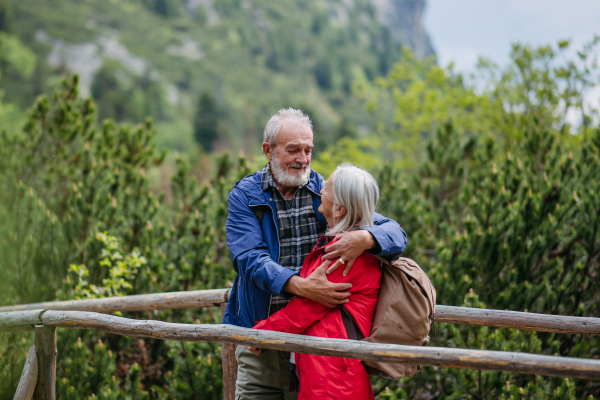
column 255, row 350
column 317, row 288
column 348, row 247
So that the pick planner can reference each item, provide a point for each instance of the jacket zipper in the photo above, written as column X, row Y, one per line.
column 239, row 281
column 278, row 246
column 275, row 222
column 238, row 295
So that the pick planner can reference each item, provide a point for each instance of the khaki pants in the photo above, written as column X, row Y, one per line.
column 263, row 377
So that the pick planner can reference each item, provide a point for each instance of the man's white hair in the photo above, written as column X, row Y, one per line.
column 274, row 125
column 356, row 190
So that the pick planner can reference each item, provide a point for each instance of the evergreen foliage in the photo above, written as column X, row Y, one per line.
column 418, row 97
column 206, row 122
column 156, row 58
column 64, row 183
column 518, row 230
column 17, row 57
column 499, row 219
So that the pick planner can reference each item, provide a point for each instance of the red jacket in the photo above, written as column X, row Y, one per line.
column 323, row 377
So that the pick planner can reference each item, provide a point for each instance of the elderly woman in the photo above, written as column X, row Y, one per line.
column 349, row 199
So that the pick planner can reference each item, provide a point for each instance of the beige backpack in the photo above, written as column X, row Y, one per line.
column 404, row 314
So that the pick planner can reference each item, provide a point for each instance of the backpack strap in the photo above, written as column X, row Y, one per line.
column 354, row 333
column 383, row 260
column 352, row 329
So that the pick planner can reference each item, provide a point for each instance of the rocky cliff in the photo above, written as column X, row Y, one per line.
column 405, row 19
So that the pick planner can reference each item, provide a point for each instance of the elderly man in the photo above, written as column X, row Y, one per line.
column 273, row 224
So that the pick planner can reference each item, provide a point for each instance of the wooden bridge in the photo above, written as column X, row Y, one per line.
column 39, row 374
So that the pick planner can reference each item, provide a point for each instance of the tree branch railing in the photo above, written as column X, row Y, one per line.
column 44, row 318
column 139, row 302
column 216, row 297
column 432, row 356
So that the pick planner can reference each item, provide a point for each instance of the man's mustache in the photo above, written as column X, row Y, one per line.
column 297, row 165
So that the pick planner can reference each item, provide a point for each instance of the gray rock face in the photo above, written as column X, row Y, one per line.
column 86, row 59
column 404, row 18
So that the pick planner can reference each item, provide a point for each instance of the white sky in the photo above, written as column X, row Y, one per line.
column 463, row 30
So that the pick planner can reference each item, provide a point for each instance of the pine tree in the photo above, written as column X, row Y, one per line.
column 206, row 121
column 64, row 180
column 516, row 227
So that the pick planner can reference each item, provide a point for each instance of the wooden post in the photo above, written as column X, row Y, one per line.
column 45, row 344
column 230, row 365
column 28, row 377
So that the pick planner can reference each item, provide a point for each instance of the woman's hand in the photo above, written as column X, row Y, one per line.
column 348, row 247
column 255, row 350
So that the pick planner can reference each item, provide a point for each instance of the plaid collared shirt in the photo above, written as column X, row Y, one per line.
column 299, row 228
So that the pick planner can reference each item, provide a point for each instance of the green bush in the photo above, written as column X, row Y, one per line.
column 506, row 221
column 517, row 229
column 65, row 184
column 418, row 97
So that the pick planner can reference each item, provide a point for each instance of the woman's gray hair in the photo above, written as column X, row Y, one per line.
column 356, row 190
column 274, row 125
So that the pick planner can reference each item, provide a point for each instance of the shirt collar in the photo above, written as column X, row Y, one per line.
column 267, row 180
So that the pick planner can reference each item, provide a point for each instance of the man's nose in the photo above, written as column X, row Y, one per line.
column 303, row 158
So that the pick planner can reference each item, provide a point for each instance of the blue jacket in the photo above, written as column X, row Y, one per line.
column 254, row 248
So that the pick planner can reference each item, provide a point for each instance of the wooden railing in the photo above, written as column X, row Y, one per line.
column 40, row 368
column 216, row 297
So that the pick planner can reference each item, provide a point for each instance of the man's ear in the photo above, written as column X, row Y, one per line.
column 267, row 150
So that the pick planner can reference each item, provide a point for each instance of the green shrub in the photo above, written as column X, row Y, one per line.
column 497, row 220
column 80, row 218
column 520, row 229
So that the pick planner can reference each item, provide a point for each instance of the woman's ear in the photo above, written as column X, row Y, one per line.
column 340, row 211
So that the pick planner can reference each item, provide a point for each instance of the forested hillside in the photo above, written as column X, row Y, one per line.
column 502, row 226
column 494, row 177
column 211, row 70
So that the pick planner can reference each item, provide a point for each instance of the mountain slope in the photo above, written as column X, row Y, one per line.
column 159, row 57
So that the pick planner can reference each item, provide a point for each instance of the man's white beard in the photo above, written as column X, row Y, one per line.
column 284, row 178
